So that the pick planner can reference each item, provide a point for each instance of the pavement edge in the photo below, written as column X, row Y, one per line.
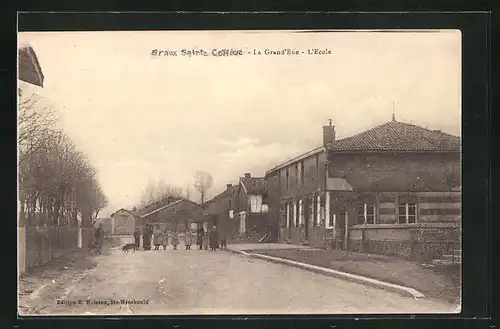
column 402, row 290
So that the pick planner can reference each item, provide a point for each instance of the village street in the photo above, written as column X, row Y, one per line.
column 206, row 282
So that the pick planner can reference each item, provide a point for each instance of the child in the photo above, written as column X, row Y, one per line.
column 205, row 241
column 223, row 240
column 175, row 240
column 165, row 239
column 188, row 239
column 157, row 235
column 199, row 237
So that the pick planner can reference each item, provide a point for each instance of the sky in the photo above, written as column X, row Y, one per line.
column 143, row 118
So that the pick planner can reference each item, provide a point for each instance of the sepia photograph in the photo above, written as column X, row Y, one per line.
column 239, row 172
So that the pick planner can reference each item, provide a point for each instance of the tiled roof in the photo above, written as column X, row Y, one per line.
column 151, row 207
column 226, row 192
column 254, row 185
column 180, row 201
column 398, row 137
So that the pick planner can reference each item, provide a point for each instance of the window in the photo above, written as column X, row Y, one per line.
column 242, row 223
column 287, row 214
column 311, row 212
column 366, row 213
column 301, row 213
column 295, row 217
column 230, row 204
column 407, row 213
column 287, row 185
column 318, row 210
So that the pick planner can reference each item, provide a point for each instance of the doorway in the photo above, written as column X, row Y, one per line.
column 340, row 229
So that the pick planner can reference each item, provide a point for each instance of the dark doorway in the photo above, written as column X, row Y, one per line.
column 340, row 228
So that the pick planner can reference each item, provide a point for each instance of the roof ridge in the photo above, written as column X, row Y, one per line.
column 397, row 136
column 168, row 205
column 233, row 187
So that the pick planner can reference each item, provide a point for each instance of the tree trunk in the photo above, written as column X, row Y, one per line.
column 74, row 218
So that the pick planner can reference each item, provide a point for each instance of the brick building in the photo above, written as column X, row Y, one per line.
column 296, row 193
column 393, row 189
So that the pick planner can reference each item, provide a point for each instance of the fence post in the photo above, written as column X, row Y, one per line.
column 80, row 242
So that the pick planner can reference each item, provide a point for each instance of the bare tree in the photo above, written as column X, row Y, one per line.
column 57, row 183
column 202, row 183
column 154, row 192
column 35, row 125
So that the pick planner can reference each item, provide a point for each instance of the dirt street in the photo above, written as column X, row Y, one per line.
column 205, row 282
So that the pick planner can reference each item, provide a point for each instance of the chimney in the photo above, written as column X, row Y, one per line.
column 328, row 133
column 248, row 175
column 229, row 186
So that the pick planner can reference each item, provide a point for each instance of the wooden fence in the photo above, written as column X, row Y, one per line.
column 41, row 245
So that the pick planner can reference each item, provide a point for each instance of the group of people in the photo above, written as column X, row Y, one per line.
column 159, row 238
column 205, row 240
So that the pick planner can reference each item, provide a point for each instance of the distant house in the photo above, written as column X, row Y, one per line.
column 251, row 208
column 219, row 211
column 177, row 215
column 29, row 68
column 393, row 189
column 123, row 222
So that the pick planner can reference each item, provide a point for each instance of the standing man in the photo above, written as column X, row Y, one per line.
column 146, row 237
column 99, row 237
column 137, row 237
column 199, row 237
column 214, row 239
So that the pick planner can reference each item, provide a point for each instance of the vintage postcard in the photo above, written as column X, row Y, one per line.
column 239, row 172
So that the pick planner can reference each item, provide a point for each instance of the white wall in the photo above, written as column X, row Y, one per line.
column 256, row 204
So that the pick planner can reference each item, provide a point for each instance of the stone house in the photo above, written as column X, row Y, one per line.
column 393, row 189
column 219, row 211
column 251, row 208
column 175, row 216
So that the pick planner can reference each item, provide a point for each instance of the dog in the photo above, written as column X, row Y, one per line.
column 128, row 247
